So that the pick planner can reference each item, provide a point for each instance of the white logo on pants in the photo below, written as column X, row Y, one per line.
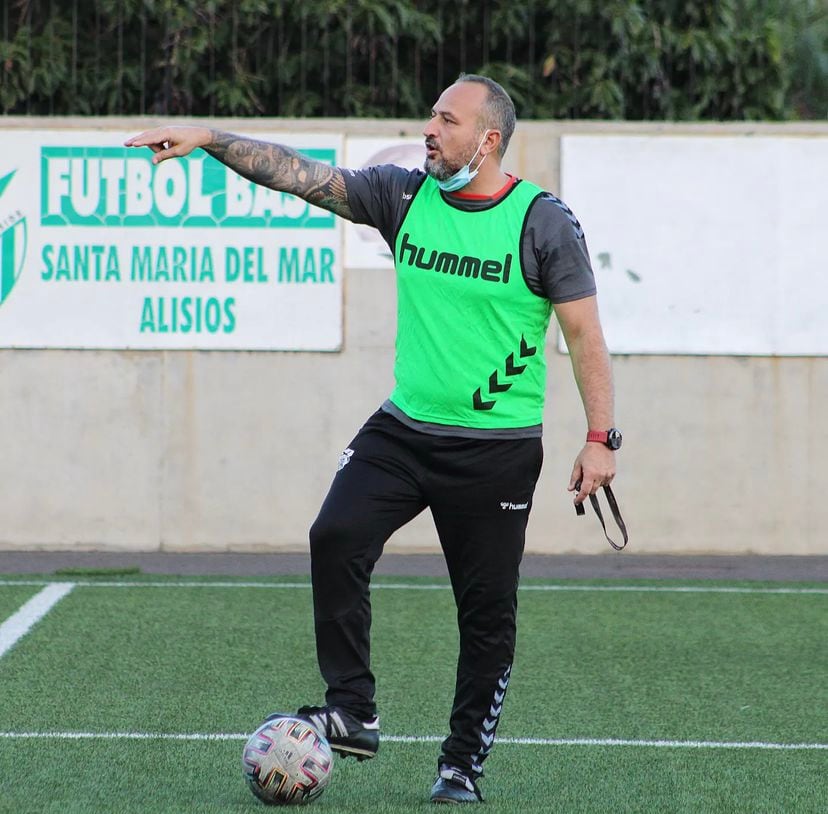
column 345, row 459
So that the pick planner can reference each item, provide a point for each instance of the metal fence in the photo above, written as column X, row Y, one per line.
column 643, row 59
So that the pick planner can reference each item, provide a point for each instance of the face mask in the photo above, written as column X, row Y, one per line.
column 465, row 175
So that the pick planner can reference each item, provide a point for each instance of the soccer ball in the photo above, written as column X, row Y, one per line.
column 286, row 762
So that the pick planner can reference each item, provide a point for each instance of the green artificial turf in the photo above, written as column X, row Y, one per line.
column 12, row 598
column 589, row 665
column 163, row 777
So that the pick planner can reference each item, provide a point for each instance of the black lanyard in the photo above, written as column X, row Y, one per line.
column 616, row 514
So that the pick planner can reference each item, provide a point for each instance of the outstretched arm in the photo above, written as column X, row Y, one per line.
column 271, row 165
column 595, row 464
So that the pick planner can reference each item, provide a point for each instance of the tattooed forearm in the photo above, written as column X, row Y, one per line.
column 283, row 168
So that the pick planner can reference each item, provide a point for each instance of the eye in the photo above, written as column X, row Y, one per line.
column 445, row 117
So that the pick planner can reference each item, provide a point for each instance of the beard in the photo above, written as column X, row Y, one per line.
column 441, row 169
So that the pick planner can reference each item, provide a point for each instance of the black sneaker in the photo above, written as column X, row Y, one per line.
column 453, row 786
column 346, row 734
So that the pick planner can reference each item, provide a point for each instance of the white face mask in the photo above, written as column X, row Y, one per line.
column 465, row 175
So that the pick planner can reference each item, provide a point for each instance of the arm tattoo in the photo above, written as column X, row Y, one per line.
column 283, row 168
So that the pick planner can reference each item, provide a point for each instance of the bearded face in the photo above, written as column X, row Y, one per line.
column 443, row 160
column 456, row 130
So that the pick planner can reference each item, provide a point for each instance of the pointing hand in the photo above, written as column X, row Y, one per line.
column 171, row 142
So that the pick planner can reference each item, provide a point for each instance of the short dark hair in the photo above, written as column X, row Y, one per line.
column 499, row 112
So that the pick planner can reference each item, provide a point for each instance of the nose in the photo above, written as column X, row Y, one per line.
column 430, row 129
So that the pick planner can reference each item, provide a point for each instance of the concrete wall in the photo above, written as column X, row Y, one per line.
column 183, row 451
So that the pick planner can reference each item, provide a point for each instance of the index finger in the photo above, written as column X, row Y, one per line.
column 163, row 148
column 157, row 136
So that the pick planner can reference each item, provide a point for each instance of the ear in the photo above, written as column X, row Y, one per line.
column 491, row 144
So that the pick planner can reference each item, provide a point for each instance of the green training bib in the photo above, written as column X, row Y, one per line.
column 470, row 333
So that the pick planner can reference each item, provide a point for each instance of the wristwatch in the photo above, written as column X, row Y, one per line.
column 611, row 437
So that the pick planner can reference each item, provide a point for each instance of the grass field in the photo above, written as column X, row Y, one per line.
column 135, row 694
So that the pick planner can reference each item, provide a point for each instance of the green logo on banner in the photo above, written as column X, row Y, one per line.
column 12, row 243
column 118, row 186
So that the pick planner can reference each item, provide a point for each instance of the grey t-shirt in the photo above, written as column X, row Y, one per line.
column 554, row 257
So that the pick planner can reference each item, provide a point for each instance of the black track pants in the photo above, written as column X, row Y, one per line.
column 480, row 494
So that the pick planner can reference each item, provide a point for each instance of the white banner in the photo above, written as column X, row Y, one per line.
column 99, row 248
column 705, row 244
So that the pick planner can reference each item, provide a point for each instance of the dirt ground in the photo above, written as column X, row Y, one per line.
column 600, row 566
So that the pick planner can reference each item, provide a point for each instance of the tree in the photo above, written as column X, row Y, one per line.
column 610, row 59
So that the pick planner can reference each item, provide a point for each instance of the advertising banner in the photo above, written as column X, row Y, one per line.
column 705, row 244
column 99, row 248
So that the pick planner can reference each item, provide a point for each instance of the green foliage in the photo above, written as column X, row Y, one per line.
column 608, row 59
column 805, row 42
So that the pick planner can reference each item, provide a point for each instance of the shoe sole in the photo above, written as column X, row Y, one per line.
column 449, row 801
column 347, row 751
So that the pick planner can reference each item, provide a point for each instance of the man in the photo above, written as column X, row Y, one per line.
column 481, row 258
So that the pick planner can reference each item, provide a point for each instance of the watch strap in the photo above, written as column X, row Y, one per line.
column 599, row 436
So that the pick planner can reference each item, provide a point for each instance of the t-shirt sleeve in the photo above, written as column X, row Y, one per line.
column 380, row 196
column 555, row 256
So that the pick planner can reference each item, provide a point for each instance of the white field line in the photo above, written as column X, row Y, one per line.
column 30, row 613
column 658, row 589
column 240, row 736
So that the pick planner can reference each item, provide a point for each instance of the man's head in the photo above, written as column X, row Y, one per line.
column 498, row 111
column 474, row 116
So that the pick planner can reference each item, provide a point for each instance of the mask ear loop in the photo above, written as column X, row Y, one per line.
column 476, row 153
